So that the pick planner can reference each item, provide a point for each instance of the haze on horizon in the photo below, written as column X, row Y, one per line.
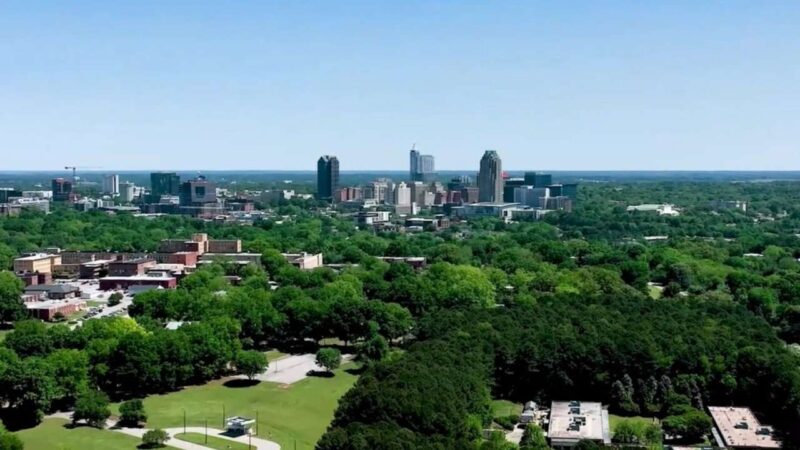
column 271, row 86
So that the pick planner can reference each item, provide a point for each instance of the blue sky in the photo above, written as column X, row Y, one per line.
column 272, row 85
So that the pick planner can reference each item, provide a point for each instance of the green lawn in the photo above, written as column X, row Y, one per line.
column 301, row 411
column 213, row 442
column 613, row 420
column 655, row 291
column 51, row 435
column 501, row 408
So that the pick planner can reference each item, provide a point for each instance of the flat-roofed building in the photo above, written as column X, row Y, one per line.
column 39, row 262
column 48, row 310
column 129, row 268
column 157, row 279
column 575, row 421
column 738, row 427
column 304, row 261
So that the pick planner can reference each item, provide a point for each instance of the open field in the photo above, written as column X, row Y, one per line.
column 213, row 442
column 613, row 420
column 286, row 413
column 51, row 435
column 501, row 408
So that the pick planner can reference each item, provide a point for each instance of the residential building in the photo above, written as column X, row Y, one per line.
column 62, row 190
column 327, row 177
column 738, row 428
column 111, row 184
column 490, row 178
column 575, row 421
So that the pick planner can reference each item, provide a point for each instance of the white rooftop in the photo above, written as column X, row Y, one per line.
column 575, row 421
column 739, row 427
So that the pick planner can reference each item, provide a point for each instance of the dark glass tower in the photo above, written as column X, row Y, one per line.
column 327, row 177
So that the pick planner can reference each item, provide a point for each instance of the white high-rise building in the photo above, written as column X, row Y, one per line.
column 402, row 195
column 126, row 192
column 111, row 184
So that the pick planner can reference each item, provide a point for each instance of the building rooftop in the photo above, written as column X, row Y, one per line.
column 35, row 257
column 739, row 427
column 574, row 420
column 52, row 288
column 148, row 277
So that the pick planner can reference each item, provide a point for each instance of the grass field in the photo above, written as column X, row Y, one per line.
column 51, row 435
column 502, row 408
column 213, row 442
column 614, row 420
column 301, row 411
column 655, row 291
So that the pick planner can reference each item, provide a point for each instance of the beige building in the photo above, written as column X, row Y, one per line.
column 40, row 262
column 738, row 428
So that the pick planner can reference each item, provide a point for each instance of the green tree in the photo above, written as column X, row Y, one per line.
column 114, row 299
column 329, row 358
column 373, row 349
column 91, row 406
column 155, row 438
column 29, row 338
column 692, row 425
column 71, row 373
column 251, row 363
column 11, row 307
column 533, row 439
column 10, row 441
column 132, row 413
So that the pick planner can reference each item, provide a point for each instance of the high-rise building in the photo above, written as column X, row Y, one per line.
column 421, row 167
column 111, row 184
column 570, row 190
column 490, row 178
column 537, row 179
column 126, row 192
column 530, row 196
column 198, row 192
column 164, row 183
column 327, row 177
column 402, row 195
column 62, row 190
column 509, row 186
column 379, row 191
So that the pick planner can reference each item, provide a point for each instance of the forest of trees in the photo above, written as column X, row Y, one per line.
column 577, row 306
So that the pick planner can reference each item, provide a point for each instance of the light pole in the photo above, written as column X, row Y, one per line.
column 206, row 431
column 184, row 421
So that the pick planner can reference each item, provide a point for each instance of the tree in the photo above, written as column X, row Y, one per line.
column 586, row 444
column 497, row 441
column 155, row 438
column 692, row 425
column 533, row 439
column 70, row 372
column 92, row 407
column 28, row 388
column 251, row 363
column 627, row 432
column 131, row 412
column 329, row 358
column 10, row 441
column 114, row 299
column 11, row 307
column 373, row 349
column 29, row 338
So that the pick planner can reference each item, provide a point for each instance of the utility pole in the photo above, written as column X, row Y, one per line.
column 223, row 416
column 206, row 431
column 256, row 422
column 184, row 421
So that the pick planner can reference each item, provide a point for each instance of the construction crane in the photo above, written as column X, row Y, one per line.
column 75, row 168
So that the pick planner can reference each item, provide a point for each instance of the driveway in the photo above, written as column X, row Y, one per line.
column 291, row 369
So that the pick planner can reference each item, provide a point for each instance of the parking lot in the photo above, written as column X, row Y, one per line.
column 98, row 300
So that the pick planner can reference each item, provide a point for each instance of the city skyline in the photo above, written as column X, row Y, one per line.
column 582, row 86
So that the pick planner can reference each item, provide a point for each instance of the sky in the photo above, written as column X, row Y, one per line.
column 272, row 85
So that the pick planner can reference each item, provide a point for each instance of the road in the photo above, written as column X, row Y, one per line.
column 257, row 443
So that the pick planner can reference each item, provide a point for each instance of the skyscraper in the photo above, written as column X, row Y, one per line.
column 490, row 178
column 62, row 190
column 327, row 177
column 537, row 179
column 164, row 183
column 111, row 184
column 421, row 167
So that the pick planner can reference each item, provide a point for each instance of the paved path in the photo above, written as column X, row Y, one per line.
column 257, row 443
column 291, row 369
